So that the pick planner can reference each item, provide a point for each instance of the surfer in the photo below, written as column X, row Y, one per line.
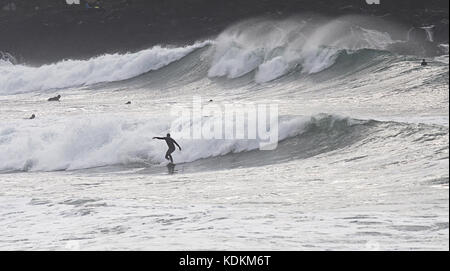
column 55, row 99
column 32, row 117
column 424, row 62
column 170, row 143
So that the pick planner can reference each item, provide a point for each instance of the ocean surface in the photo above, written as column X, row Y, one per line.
column 362, row 161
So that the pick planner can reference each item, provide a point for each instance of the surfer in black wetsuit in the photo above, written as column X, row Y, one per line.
column 55, row 99
column 170, row 143
column 424, row 63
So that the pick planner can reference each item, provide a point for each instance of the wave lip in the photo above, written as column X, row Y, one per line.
column 16, row 79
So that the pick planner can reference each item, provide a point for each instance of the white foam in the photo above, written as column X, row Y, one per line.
column 318, row 60
column 107, row 68
column 271, row 70
column 235, row 62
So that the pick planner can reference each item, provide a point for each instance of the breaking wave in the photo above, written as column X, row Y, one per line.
column 95, row 142
column 269, row 49
column 273, row 48
column 70, row 73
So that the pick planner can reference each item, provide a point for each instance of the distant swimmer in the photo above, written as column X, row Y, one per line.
column 170, row 143
column 55, row 99
column 424, row 62
column 128, row 102
column 32, row 117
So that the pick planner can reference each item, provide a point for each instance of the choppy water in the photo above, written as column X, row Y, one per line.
column 361, row 163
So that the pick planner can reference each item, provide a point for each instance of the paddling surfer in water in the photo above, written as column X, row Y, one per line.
column 171, row 144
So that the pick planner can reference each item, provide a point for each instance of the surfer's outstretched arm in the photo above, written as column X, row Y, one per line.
column 160, row 138
column 177, row 144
